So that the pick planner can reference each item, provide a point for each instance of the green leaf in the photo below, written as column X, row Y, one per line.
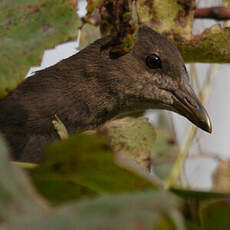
column 83, row 166
column 145, row 211
column 89, row 34
column 215, row 215
column 21, row 208
column 167, row 16
column 164, row 153
column 131, row 137
column 192, row 226
column 197, row 195
column 27, row 28
column 17, row 197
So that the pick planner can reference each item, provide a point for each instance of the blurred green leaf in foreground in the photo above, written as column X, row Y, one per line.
column 22, row 208
column 83, row 166
column 27, row 28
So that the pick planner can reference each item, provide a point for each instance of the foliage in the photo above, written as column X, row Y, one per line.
column 83, row 166
column 22, row 208
column 103, row 181
column 175, row 20
column 221, row 177
column 89, row 34
column 215, row 214
column 85, row 161
column 132, row 137
column 207, row 47
column 179, row 16
column 27, row 28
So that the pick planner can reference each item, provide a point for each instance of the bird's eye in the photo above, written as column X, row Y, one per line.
column 153, row 61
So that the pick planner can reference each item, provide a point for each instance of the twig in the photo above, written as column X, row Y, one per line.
column 24, row 165
column 204, row 96
column 217, row 13
column 172, row 127
column 206, row 155
column 199, row 145
column 195, row 79
column 196, row 85
column 171, row 181
column 60, row 127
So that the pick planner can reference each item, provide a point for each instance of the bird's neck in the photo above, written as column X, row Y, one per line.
column 93, row 105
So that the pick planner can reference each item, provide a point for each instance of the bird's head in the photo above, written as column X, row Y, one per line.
column 153, row 75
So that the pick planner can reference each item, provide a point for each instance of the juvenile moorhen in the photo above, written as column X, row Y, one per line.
column 89, row 88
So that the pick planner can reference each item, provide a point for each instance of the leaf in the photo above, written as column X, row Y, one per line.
column 21, row 208
column 164, row 153
column 221, row 177
column 83, row 166
column 128, row 211
column 27, row 28
column 215, row 215
column 132, row 137
column 144, row 211
column 18, row 199
column 192, row 226
column 197, row 195
column 60, row 128
column 174, row 17
column 89, row 34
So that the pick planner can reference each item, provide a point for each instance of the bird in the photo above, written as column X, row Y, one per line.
column 90, row 88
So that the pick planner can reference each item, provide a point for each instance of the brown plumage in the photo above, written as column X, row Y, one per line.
column 89, row 88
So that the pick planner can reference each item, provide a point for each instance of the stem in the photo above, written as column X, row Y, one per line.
column 195, row 78
column 217, row 13
column 24, row 165
column 172, row 180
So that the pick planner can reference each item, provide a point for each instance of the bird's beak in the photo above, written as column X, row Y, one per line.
column 188, row 104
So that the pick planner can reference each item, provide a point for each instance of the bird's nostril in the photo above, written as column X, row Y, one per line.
column 189, row 102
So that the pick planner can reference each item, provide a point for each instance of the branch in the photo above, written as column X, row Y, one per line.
column 167, row 16
column 175, row 19
column 212, row 46
column 217, row 13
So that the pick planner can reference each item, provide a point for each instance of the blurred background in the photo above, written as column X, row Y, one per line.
column 206, row 150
